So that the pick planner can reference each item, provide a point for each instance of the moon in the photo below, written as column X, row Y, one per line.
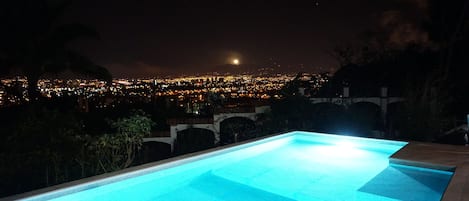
column 235, row 61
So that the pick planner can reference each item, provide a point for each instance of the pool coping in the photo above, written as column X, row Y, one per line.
column 429, row 155
column 443, row 157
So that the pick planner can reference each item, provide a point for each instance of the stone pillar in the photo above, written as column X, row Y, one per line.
column 173, row 135
column 216, row 125
column 468, row 121
column 301, row 91
column 384, row 104
column 217, row 137
column 466, row 135
column 346, row 92
column 384, row 92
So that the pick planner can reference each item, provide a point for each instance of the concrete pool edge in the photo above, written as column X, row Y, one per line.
column 454, row 191
column 432, row 166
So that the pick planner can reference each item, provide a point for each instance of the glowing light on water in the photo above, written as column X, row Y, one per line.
column 346, row 145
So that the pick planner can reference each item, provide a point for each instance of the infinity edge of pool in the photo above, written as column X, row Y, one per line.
column 100, row 180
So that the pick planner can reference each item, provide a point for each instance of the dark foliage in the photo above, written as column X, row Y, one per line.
column 36, row 42
column 192, row 140
column 236, row 129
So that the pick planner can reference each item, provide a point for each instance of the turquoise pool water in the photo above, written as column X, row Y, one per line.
column 293, row 166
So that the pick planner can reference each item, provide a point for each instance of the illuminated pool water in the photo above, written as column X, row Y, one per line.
column 292, row 166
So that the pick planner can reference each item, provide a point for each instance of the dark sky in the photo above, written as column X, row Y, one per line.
column 151, row 38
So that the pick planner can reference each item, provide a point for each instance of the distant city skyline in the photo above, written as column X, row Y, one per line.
column 150, row 38
column 187, row 90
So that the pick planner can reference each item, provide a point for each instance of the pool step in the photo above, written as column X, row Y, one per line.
column 408, row 183
column 228, row 190
column 211, row 184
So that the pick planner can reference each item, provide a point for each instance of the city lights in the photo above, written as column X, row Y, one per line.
column 192, row 93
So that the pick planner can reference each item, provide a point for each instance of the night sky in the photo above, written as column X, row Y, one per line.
column 150, row 38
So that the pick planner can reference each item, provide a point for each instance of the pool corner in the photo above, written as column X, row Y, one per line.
column 443, row 157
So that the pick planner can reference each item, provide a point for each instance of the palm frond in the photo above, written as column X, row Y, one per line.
column 66, row 33
column 56, row 9
column 82, row 65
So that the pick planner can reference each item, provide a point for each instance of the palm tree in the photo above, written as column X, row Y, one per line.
column 34, row 43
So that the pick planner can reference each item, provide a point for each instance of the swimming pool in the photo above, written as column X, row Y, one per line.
column 291, row 166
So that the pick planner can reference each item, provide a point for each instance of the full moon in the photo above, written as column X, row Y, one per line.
column 235, row 61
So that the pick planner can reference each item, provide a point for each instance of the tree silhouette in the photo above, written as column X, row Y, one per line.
column 236, row 129
column 39, row 148
column 431, row 75
column 192, row 140
column 448, row 26
column 292, row 112
column 117, row 150
column 35, row 43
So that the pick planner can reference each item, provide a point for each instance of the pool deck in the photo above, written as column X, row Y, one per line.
column 440, row 156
